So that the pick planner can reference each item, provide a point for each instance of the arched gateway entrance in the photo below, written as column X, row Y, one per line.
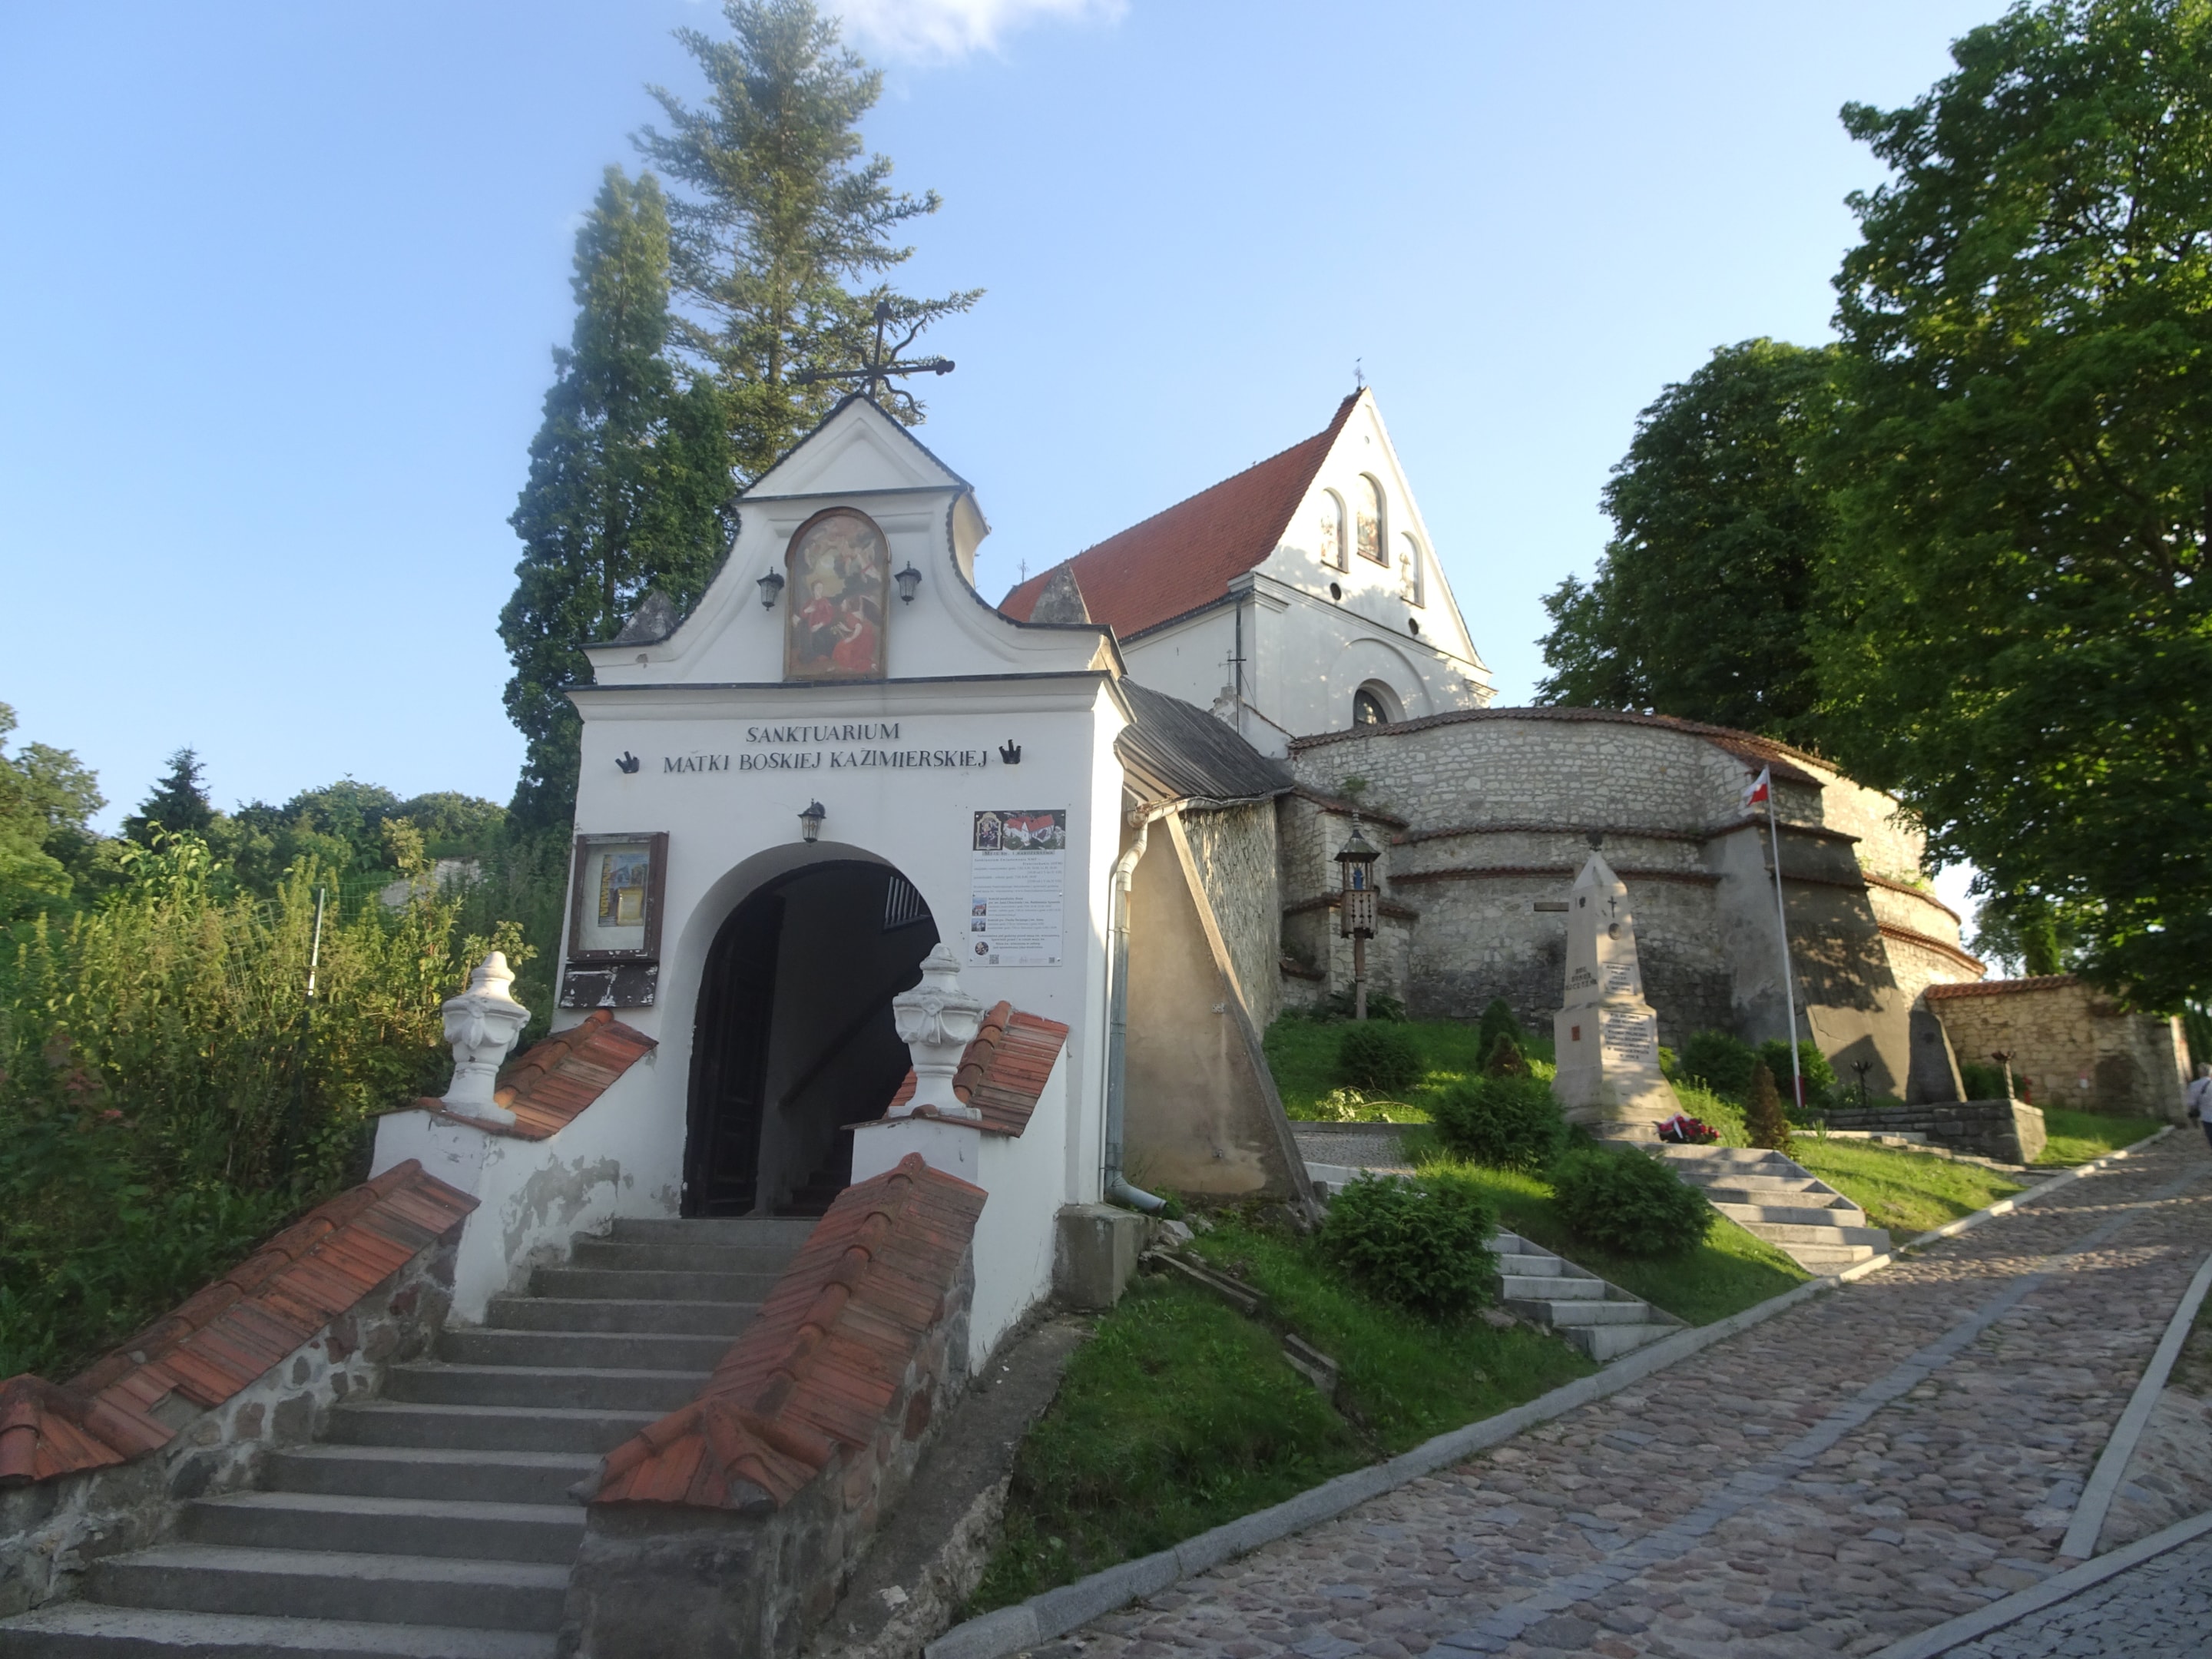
column 793, row 1041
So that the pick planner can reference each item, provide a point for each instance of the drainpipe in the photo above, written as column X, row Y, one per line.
column 1116, row 1185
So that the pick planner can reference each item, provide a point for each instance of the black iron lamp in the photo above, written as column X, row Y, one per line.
column 809, row 822
column 770, row 586
column 1355, row 862
column 908, row 581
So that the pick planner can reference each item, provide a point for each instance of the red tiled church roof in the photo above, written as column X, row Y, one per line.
column 230, row 1335
column 1185, row 557
column 1004, row 1070
column 824, row 1360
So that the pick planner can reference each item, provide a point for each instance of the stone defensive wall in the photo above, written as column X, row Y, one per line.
column 2070, row 1044
column 1484, row 815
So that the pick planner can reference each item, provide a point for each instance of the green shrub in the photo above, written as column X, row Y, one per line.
column 1670, row 1064
column 1982, row 1081
column 1504, row 1059
column 1719, row 1061
column 1379, row 1055
column 1423, row 1245
column 1498, row 1021
column 1812, row 1065
column 1627, row 1202
column 1763, row 1116
column 1381, row 1005
column 1505, row 1122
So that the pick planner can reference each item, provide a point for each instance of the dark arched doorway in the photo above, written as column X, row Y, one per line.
column 793, row 1041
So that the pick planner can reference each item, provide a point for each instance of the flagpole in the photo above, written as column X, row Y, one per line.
column 1782, row 920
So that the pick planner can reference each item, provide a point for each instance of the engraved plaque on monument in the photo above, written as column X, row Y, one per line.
column 1607, row 1037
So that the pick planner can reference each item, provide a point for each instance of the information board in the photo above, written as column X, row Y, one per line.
column 1017, row 888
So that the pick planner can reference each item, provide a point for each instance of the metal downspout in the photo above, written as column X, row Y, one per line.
column 1116, row 1185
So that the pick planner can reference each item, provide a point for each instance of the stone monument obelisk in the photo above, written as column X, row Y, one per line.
column 1607, row 1037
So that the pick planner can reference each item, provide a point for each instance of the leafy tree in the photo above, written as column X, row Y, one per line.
column 783, row 241
column 629, row 476
column 1700, row 606
column 47, row 797
column 178, row 804
column 2022, row 641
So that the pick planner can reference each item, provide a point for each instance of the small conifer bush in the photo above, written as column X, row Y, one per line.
column 1762, row 1113
column 1504, row 1059
column 1497, row 1021
column 1505, row 1122
column 1628, row 1203
column 1422, row 1244
column 1380, row 1056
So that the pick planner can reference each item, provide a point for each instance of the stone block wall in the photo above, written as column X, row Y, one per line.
column 1236, row 855
column 2070, row 1044
column 2009, row 1131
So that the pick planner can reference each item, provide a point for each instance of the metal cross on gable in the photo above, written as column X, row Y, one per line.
column 882, row 364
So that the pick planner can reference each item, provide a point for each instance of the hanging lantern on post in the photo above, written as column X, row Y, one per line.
column 1355, row 860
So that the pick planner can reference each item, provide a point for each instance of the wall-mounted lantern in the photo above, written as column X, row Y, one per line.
column 908, row 581
column 1355, row 862
column 809, row 822
column 770, row 586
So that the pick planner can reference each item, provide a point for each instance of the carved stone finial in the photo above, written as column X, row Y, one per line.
column 937, row 1020
column 482, row 1023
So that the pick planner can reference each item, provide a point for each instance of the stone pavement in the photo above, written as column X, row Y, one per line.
column 1886, row 1458
column 2156, row 1611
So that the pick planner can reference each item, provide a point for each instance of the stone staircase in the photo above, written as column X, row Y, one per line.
column 1773, row 1198
column 436, row 1522
column 1574, row 1303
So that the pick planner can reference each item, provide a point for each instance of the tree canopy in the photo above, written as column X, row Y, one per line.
column 783, row 235
column 630, row 476
column 179, row 802
column 2020, row 639
column 47, row 797
column 1701, row 604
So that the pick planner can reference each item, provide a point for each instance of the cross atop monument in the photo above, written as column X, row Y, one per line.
column 882, row 364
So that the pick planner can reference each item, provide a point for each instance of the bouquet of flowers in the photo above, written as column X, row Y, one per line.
column 1684, row 1130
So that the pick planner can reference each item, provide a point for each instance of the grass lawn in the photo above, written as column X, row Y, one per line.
column 1730, row 1272
column 2077, row 1137
column 1905, row 1191
column 1301, row 1054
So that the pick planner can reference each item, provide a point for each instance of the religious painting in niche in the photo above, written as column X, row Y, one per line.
column 839, row 570
column 1332, row 530
column 1409, row 570
column 1367, row 709
column 1370, row 521
column 614, row 911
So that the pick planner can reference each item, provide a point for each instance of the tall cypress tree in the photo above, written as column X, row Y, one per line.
column 629, row 476
column 783, row 242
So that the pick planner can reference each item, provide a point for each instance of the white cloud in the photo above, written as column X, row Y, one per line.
column 940, row 30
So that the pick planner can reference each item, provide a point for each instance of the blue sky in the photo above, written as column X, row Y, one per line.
column 281, row 281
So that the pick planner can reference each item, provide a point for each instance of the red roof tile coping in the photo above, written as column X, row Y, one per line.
column 824, row 1360
column 1003, row 1073
column 226, row 1337
column 548, row 1086
column 2002, row 987
column 1184, row 558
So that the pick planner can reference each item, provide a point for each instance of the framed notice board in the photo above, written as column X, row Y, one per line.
column 614, row 898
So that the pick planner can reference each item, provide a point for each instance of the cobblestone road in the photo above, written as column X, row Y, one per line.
column 1880, row 1460
column 2158, row 1610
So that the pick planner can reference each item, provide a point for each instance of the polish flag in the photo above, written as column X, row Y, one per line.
column 1756, row 790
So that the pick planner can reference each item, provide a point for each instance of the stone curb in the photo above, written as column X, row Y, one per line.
column 2088, row 1524
column 1929, row 1643
column 1055, row 1613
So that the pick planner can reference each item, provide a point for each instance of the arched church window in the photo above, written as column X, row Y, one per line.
column 1373, row 705
column 1410, row 587
column 1334, row 541
column 1369, row 517
column 838, row 568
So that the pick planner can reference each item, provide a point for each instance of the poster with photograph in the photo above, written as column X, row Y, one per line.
column 616, row 903
column 1018, row 860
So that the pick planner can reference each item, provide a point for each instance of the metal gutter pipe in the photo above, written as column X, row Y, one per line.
column 1116, row 1185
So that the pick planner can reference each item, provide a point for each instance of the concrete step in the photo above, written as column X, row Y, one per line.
column 610, row 1388
column 486, row 1428
column 1825, row 1258
column 1524, row 1264
column 1609, row 1342
column 90, row 1629
column 630, row 1350
column 1560, row 1314
column 1791, row 1215
column 1551, row 1285
column 399, row 1589
column 618, row 1313
column 678, row 1255
column 1787, row 1234
column 546, row 1533
column 601, row 1284
column 420, row 1471
column 1764, row 1185
column 785, row 1233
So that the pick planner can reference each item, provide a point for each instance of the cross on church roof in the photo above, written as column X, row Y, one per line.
column 881, row 366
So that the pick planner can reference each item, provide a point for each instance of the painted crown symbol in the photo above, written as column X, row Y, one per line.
column 628, row 762
column 1011, row 752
